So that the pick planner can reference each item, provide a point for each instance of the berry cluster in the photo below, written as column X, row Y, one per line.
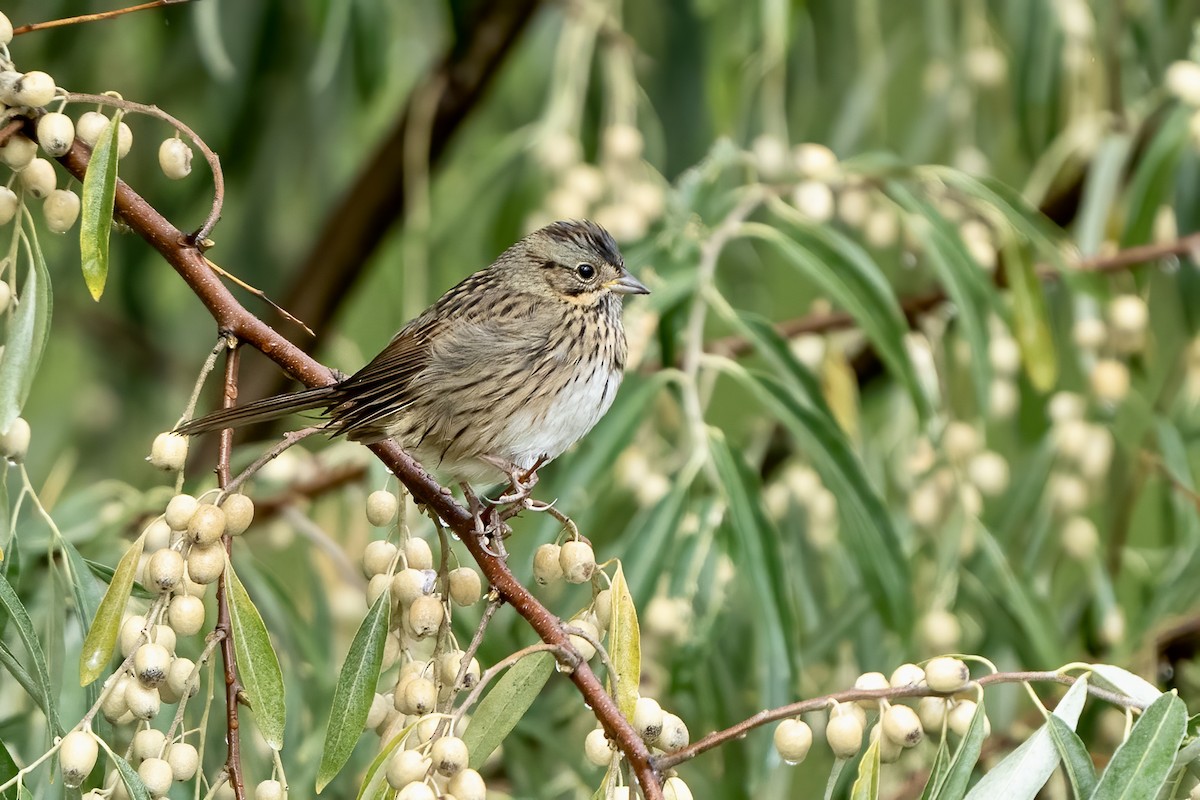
column 431, row 760
column 897, row 727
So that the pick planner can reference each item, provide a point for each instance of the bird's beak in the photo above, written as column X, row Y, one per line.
column 627, row 284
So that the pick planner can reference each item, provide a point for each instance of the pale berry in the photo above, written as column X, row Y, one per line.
column 34, row 89
column 547, row 565
column 468, row 785
column 946, row 674
column 382, row 507
column 169, row 452
column 175, row 158
column 184, row 760
column 902, row 726
column 90, row 127
column 77, row 756
column 186, row 614
column 8, row 204
column 14, row 443
column 239, row 513
column 597, row 749
column 205, row 563
column 449, row 755
column 844, row 733
column 577, row 561
column 465, row 586
column 157, row 774
column 38, row 178
column 378, row 557
column 56, row 133
column 793, row 738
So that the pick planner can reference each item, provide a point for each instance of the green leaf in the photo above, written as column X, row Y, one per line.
column 1076, row 761
column 41, row 675
column 1101, row 190
column 1141, row 764
column 756, row 540
column 625, row 644
column 1125, row 682
column 1025, row 770
column 102, row 635
column 505, row 704
column 937, row 773
column 866, row 785
column 84, row 586
column 1031, row 324
column 868, row 533
column 105, row 573
column 374, row 785
column 258, row 666
column 8, row 771
column 355, row 690
column 133, row 781
column 10, row 662
column 1154, row 177
column 27, row 332
column 961, row 278
column 846, row 272
column 962, row 765
column 95, row 220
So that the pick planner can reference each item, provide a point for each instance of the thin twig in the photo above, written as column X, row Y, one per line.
column 717, row 738
column 328, row 479
column 97, row 17
column 289, row 439
column 200, row 237
column 233, row 686
column 494, row 603
column 261, row 295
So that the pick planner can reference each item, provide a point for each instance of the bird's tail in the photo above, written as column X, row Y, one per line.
column 267, row 409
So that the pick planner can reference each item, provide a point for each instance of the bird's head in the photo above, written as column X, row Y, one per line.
column 576, row 262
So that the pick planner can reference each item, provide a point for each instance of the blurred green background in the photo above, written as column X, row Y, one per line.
column 982, row 485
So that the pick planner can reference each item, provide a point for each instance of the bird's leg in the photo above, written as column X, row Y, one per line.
column 521, row 483
column 486, row 533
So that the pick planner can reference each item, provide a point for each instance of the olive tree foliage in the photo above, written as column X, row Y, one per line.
column 918, row 377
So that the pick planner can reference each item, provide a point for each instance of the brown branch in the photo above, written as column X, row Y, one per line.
column 232, row 319
column 913, row 307
column 233, row 687
column 97, row 17
column 374, row 202
column 327, row 480
column 12, row 127
column 738, row 731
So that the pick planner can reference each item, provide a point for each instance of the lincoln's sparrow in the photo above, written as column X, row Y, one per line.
column 502, row 374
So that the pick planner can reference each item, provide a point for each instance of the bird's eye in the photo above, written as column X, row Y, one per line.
column 585, row 271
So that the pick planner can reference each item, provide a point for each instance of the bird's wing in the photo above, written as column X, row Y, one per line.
column 384, row 386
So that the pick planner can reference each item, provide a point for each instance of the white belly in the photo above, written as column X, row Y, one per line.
column 532, row 434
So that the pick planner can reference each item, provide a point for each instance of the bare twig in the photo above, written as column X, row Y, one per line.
column 261, row 295
column 214, row 163
column 327, row 480
column 97, row 17
column 290, row 438
column 717, row 738
column 233, row 687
